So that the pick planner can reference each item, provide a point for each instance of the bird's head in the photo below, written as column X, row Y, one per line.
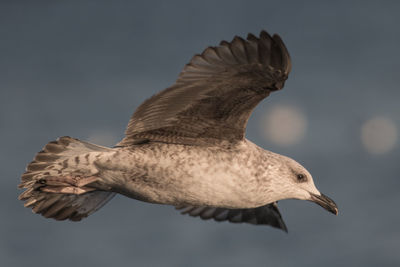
column 294, row 181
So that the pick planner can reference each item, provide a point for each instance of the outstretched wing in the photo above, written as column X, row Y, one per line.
column 214, row 94
column 265, row 215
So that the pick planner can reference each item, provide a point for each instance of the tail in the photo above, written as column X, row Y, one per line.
column 61, row 181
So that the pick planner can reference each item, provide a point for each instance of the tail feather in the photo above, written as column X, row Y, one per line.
column 61, row 181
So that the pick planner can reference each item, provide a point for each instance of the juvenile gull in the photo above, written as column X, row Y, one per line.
column 185, row 147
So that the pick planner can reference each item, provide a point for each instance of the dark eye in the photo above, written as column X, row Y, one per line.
column 301, row 177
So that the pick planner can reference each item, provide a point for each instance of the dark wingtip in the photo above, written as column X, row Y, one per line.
column 237, row 38
column 251, row 37
column 223, row 42
column 283, row 227
column 265, row 35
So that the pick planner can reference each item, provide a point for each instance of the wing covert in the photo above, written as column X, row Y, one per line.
column 214, row 94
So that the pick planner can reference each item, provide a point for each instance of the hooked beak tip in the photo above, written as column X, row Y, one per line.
column 325, row 202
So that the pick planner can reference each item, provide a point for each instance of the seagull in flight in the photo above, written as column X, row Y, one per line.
column 185, row 147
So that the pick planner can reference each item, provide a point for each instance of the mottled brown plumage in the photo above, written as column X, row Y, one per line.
column 214, row 94
column 185, row 146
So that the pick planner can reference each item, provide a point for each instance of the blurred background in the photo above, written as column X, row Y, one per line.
column 80, row 68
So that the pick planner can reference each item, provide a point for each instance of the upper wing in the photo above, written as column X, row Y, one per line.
column 214, row 94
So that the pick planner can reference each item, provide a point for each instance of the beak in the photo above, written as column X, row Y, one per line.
column 325, row 202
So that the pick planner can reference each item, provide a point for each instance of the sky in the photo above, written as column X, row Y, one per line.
column 80, row 68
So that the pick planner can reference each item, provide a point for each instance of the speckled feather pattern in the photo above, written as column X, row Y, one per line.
column 184, row 146
column 234, row 177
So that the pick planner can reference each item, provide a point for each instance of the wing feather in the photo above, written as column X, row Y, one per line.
column 265, row 215
column 214, row 94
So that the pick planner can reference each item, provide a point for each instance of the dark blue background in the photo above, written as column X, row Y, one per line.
column 80, row 68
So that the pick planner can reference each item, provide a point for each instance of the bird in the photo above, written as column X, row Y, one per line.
column 185, row 147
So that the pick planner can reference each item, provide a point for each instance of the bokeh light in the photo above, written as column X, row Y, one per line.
column 284, row 125
column 379, row 135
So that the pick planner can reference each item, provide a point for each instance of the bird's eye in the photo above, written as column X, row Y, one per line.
column 301, row 177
